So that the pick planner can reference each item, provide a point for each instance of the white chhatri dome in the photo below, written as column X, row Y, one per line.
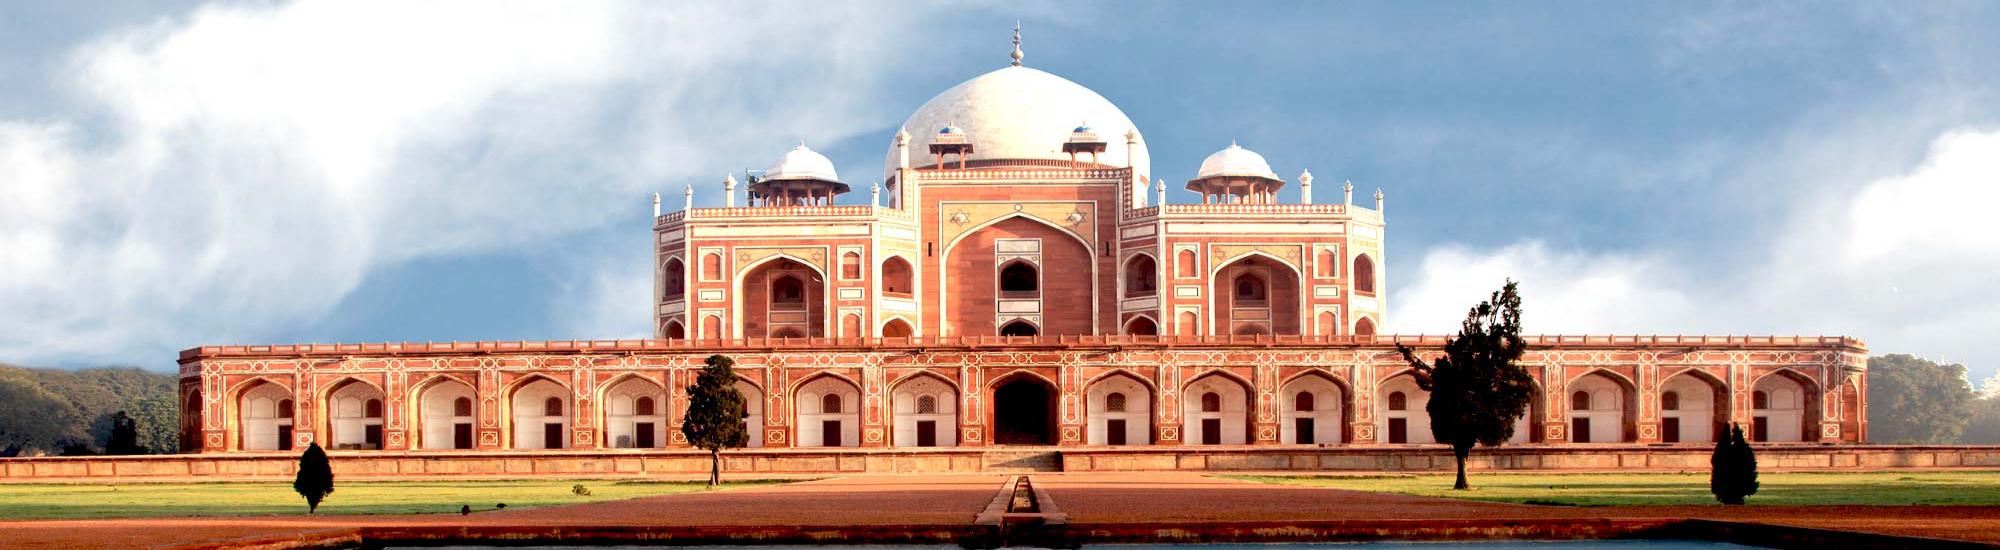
column 801, row 164
column 1020, row 113
column 1235, row 161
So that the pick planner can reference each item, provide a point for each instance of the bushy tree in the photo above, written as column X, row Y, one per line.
column 1478, row 388
column 1984, row 426
column 315, row 479
column 1733, row 468
column 33, row 418
column 124, row 436
column 1916, row 400
column 715, row 413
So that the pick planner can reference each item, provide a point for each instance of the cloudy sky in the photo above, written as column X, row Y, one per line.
column 180, row 174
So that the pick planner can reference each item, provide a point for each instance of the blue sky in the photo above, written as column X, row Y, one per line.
column 179, row 174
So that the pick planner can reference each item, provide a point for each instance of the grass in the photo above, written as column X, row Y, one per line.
column 1803, row 488
column 132, row 500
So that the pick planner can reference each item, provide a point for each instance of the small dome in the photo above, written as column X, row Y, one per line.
column 950, row 130
column 1084, row 129
column 802, row 164
column 1235, row 161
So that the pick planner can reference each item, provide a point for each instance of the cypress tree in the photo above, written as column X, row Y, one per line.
column 315, row 479
column 1733, row 468
column 715, row 413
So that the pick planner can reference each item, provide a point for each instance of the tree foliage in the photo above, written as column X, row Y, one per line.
column 64, row 411
column 315, row 478
column 1916, row 400
column 1478, row 388
column 1733, row 468
column 715, row 413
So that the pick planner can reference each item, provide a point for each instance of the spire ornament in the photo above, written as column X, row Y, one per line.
column 1017, row 44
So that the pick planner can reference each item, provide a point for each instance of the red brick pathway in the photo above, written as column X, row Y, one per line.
column 952, row 500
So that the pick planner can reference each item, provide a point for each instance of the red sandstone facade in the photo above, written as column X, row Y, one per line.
column 1022, row 282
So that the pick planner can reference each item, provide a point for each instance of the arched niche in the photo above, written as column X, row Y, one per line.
column 1215, row 411
column 1119, row 409
column 925, row 412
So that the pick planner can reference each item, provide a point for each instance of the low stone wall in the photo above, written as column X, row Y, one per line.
column 1434, row 458
column 640, row 464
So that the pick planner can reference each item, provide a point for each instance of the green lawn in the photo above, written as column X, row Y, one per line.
column 1878, row 488
column 82, row 501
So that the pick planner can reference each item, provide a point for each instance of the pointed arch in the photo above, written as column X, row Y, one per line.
column 1244, row 291
column 898, row 276
column 1022, row 215
column 528, row 424
column 923, row 409
column 816, row 424
column 1327, row 421
column 673, row 280
column 1363, row 274
column 1140, row 275
column 1784, row 418
column 625, row 419
column 1109, row 424
column 897, row 327
column 1223, row 419
column 674, row 330
column 762, row 307
column 1600, row 422
column 1142, row 325
column 964, row 304
column 1020, row 327
column 1700, row 402
column 253, row 407
column 1023, row 408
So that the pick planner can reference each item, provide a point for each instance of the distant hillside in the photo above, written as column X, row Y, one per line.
column 50, row 411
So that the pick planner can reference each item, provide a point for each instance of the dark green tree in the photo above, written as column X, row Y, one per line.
column 715, row 413
column 1478, row 388
column 315, row 479
column 1984, row 426
column 34, row 419
column 1733, row 468
column 1916, row 400
column 124, row 436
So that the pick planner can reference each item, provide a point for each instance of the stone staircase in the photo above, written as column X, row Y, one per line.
column 1025, row 460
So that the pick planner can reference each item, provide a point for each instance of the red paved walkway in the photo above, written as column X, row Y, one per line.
column 954, row 500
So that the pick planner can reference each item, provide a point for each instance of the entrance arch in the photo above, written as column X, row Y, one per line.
column 1403, row 417
column 753, row 412
column 446, row 408
column 540, row 408
column 1256, row 294
column 635, row 414
column 265, row 411
column 354, row 412
column 1024, row 410
column 1782, row 407
column 829, row 410
column 1694, row 408
column 1601, row 409
column 783, row 298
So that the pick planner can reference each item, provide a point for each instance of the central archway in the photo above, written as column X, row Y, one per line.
column 1024, row 411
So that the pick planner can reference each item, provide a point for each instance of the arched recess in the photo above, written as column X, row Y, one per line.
column 447, row 410
column 753, row 411
column 1328, row 324
column 539, row 410
column 354, row 411
column 1364, row 326
column 1314, row 409
column 1694, row 407
column 850, row 326
column 829, row 412
column 850, row 266
column 898, row 279
column 1189, row 324
column 897, row 328
column 711, row 327
column 782, row 296
column 1364, row 275
column 711, row 266
column 1024, row 409
column 1187, row 264
column 925, row 409
column 1215, row 410
column 971, row 278
column 1603, row 408
column 1256, row 293
column 1141, row 276
column 1402, row 417
column 1119, row 410
column 265, row 413
column 673, row 280
column 1141, row 325
column 1326, row 264
column 1784, row 407
column 674, row 331
column 635, row 413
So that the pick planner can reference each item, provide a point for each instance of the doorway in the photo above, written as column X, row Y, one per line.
column 1024, row 412
column 646, row 437
column 829, row 433
column 1114, row 431
column 926, row 433
column 552, row 435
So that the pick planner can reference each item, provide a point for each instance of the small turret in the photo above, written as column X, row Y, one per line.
column 1236, row 175
column 656, row 205
column 1084, row 140
column 1378, row 200
column 1349, row 188
column 800, row 178
column 729, row 190
column 687, row 198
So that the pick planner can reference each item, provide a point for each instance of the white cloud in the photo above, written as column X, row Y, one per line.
column 242, row 168
column 1907, row 263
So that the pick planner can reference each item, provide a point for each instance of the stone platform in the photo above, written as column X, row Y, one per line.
column 639, row 464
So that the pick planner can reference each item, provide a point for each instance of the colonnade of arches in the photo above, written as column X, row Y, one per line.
column 924, row 410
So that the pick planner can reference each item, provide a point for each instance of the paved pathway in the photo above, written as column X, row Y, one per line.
column 954, row 500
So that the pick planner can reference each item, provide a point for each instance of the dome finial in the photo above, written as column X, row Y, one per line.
column 1017, row 44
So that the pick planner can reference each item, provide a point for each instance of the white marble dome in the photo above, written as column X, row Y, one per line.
column 1020, row 113
column 1235, row 161
column 801, row 163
